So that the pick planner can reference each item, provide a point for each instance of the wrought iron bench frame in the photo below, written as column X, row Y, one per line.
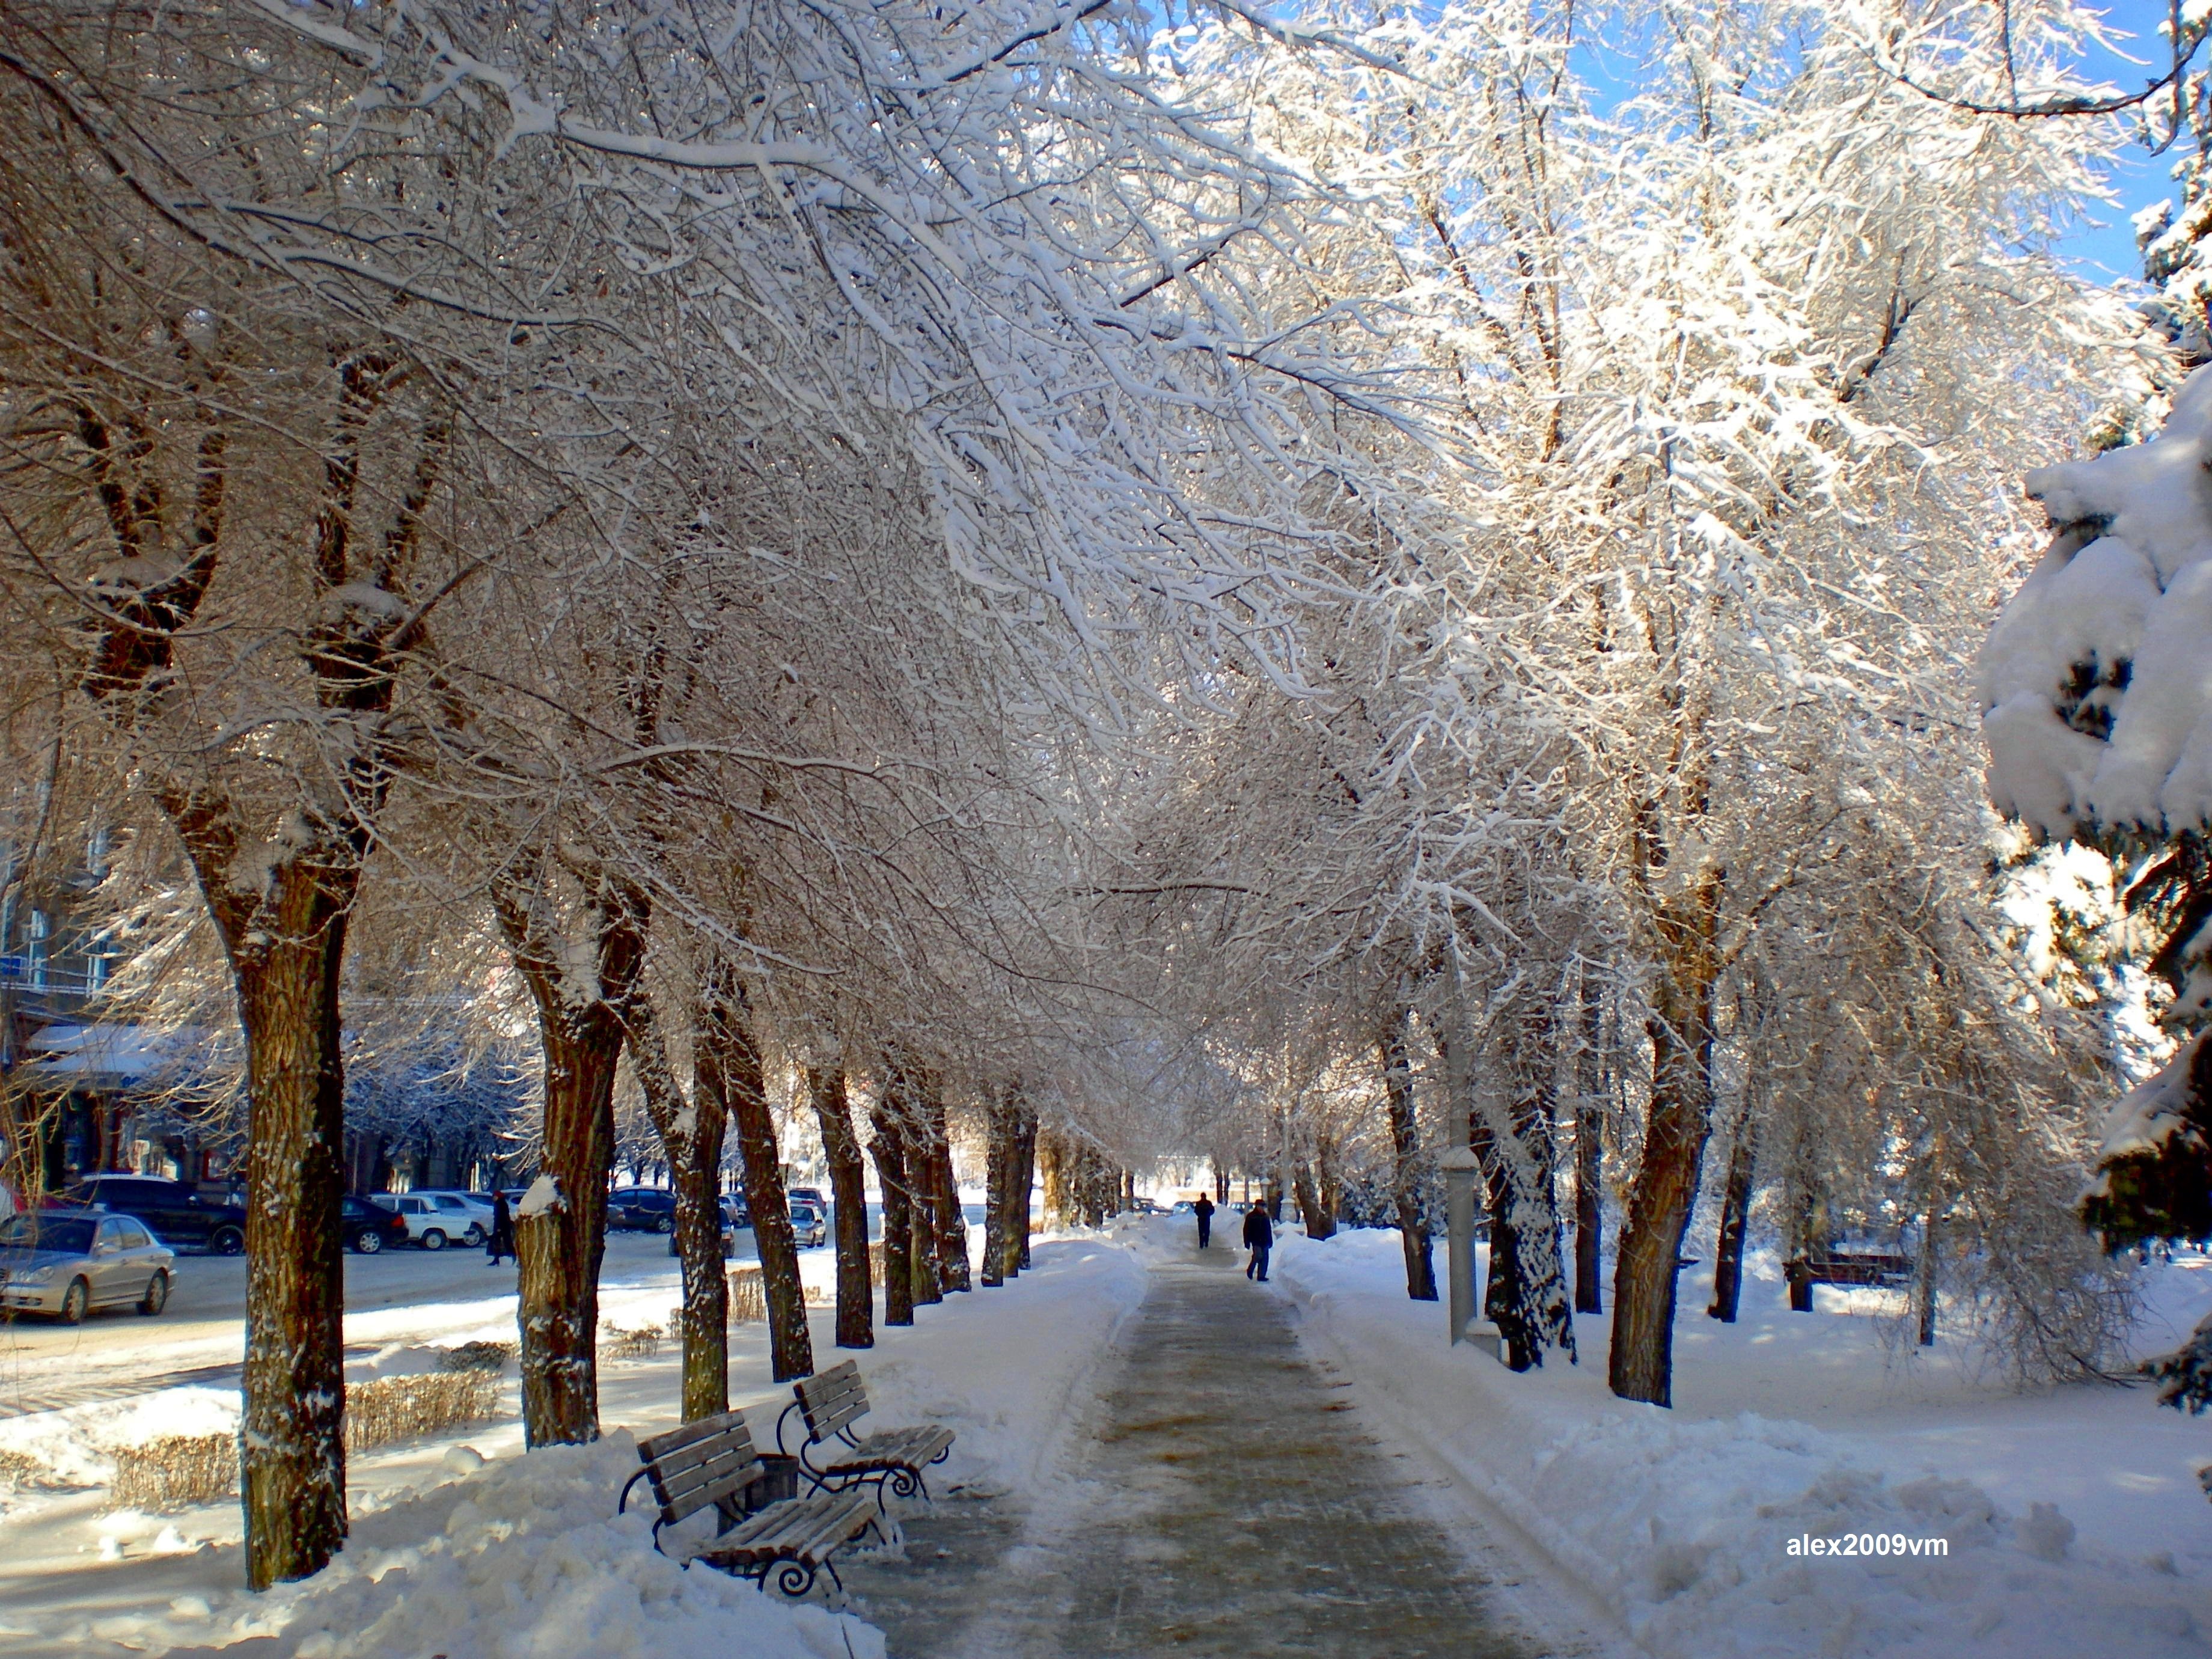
column 714, row 1463
column 828, row 1403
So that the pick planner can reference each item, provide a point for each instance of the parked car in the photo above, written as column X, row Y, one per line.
column 478, row 1210
column 369, row 1228
column 1183, row 1206
column 810, row 1223
column 67, row 1262
column 434, row 1221
column 808, row 1195
column 734, row 1221
column 179, row 1216
column 641, row 1209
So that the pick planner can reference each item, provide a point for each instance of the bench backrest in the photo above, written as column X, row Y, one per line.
column 705, row 1462
column 831, row 1398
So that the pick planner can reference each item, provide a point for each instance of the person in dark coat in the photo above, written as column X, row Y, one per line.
column 1259, row 1238
column 1203, row 1210
column 501, row 1241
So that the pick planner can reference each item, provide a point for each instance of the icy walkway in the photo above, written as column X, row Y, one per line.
column 1224, row 1502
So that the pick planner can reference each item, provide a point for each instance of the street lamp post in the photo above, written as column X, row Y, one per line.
column 1461, row 1167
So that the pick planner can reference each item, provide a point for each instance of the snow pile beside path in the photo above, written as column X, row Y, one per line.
column 1002, row 1367
column 1681, row 1528
column 75, row 1446
column 526, row 1560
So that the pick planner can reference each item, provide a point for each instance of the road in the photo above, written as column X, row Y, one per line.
column 410, row 1295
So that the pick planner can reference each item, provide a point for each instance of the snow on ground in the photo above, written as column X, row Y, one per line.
column 2075, row 1522
column 466, row 1546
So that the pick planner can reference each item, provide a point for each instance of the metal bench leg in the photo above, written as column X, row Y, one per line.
column 795, row 1577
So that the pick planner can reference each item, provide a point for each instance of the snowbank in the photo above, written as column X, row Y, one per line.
column 2071, row 1524
column 525, row 1559
column 76, row 1447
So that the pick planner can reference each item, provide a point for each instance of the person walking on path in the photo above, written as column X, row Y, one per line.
column 1203, row 1210
column 501, row 1241
column 1259, row 1238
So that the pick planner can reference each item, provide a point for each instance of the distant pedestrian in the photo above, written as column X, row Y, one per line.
column 1204, row 1208
column 501, row 1241
column 1260, row 1239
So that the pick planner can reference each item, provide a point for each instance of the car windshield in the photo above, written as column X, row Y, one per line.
column 69, row 1235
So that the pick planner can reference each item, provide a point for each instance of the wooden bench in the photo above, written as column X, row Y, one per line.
column 836, row 1460
column 712, row 1462
column 1857, row 1267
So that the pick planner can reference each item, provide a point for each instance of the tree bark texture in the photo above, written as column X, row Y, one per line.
column 730, row 1066
column 1319, row 1223
column 291, row 1434
column 1666, row 1187
column 1735, row 1221
column 691, row 1133
column 848, row 1206
column 558, row 1248
column 889, row 1149
column 998, row 1184
column 1054, row 1168
column 1406, row 1144
column 1026, row 1157
column 951, row 1222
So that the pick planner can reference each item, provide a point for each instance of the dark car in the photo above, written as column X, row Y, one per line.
column 179, row 1216
column 369, row 1228
column 642, row 1209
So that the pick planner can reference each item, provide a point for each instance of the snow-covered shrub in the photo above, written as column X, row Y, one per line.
column 407, row 1407
column 2185, row 1375
column 491, row 1357
column 175, row 1471
column 2097, row 707
column 642, row 1343
column 21, row 1469
column 748, row 1296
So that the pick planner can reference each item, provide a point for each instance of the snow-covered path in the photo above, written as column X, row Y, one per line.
column 1223, row 1500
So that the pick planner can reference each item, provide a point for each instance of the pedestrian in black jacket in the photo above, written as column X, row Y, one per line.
column 501, row 1241
column 1259, row 1238
column 1203, row 1210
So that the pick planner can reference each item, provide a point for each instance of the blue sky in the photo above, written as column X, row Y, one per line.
column 2103, row 245
column 2141, row 179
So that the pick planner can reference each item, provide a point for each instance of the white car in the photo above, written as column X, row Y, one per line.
column 437, row 1219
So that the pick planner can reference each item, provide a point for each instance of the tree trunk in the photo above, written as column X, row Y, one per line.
column 1025, row 1149
column 691, row 1133
column 1666, row 1188
column 889, row 1149
column 1589, row 1157
column 292, row 1462
column 559, row 1241
column 1735, row 1221
column 998, row 1185
column 951, row 1222
column 848, row 1207
column 1924, row 1288
column 729, row 1066
column 1053, row 1160
column 1318, row 1223
column 1405, row 1143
